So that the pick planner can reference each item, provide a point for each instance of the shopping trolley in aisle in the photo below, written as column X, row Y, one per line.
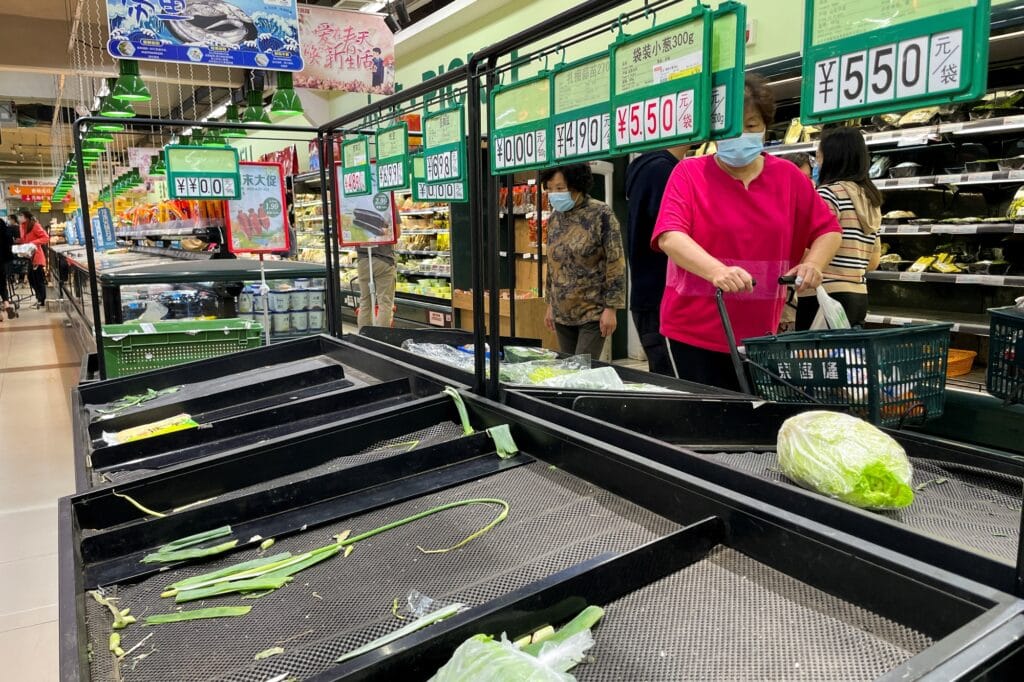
column 885, row 376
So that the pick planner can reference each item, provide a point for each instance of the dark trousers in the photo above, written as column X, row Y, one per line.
column 37, row 280
column 855, row 305
column 648, row 328
column 584, row 339
column 5, row 295
column 703, row 366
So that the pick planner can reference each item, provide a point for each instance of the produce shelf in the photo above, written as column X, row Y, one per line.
column 940, row 278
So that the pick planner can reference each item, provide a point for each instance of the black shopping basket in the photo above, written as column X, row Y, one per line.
column 1006, row 354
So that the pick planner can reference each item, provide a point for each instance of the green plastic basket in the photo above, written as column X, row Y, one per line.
column 1005, row 377
column 884, row 375
column 138, row 347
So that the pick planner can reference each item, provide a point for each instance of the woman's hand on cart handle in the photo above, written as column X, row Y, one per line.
column 787, row 280
column 806, row 277
column 732, row 279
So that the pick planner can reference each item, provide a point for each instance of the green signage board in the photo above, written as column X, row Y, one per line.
column 866, row 57
column 519, row 125
column 580, row 122
column 392, row 157
column 728, row 59
column 444, row 145
column 661, row 86
column 355, row 166
column 435, row 192
column 203, row 172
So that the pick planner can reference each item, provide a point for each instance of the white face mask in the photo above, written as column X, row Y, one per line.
column 740, row 151
column 561, row 201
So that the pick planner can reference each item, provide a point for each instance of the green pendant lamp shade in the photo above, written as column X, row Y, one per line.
column 93, row 149
column 286, row 101
column 198, row 137
column 213, row 138
column 185, row 140
column 93, row 134
column 232, row 117
column 106, row 126
column 157, row 166
column 129, row 86
column 254, row 112
column 115, row 108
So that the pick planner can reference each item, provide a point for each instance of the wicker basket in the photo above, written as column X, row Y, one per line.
column 960, row 362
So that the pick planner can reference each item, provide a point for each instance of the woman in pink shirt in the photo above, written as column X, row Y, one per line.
column 729, row 221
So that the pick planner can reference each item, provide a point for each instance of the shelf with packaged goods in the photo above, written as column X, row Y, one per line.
column 942, row 278
column 923, row 229
column 965, row 323
column 959, row 179
column 407, row 252
column 424, row 273
column 426, row 211
column 1005, row 124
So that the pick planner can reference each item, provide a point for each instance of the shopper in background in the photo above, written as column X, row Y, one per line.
column 728, row 221
column 857, row 204
column 801, row 161
column 586, row 273
column 646, row 178
column 6, row 258
column 384, row 269
column 33, row 233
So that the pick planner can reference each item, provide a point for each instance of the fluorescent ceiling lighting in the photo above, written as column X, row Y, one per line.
column 372, row 7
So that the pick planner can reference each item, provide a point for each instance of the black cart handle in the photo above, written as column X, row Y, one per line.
column 787, row 280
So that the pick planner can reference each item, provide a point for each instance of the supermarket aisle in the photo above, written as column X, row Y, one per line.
column 38, row 367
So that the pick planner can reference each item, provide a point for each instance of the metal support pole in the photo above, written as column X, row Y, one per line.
column 476, row 218
column 493, row 242
column 333, row 305
column 331, row 180
column 83, row 190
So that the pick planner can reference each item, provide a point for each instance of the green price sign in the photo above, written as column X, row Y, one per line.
column 519, row 125
column 868, row 57
column 440, row 192
column 444, row 145
column 355, row 166
column 392, row 152
column 661, row 86
column 203, row 173
column 728, row 57
column 580, row 122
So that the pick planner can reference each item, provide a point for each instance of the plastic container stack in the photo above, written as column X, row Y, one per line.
column 296, row 307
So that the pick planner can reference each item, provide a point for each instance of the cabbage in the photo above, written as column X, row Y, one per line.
column 845, row 458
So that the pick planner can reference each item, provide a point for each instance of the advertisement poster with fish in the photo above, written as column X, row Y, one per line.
column 258, row 222
column 251, row 34
column 346, row 51
column 367, row 220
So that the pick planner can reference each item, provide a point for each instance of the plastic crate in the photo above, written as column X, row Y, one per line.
column 1005, row 377
column 884, row 375
column 138, row 347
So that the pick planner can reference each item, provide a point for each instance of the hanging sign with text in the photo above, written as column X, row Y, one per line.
column 202, row 172
column 867, row 57
column 728, row 59
column 355, row 166
column 580, row 121
column 519, row 125
column 439, row 192
column 661, row 84
column 258, row 221
column 393, row 157
column 444, row 145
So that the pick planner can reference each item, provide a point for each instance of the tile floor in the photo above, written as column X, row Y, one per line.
column 39, row 365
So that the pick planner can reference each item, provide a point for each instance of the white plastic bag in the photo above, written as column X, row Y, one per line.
column 831, row 314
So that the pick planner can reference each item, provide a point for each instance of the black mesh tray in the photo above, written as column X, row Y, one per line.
column 581, row 508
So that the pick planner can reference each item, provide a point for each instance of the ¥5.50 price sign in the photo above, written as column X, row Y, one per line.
column 203, row 172
column 439, row 192
column 392, row 156
column 444, row 145
column 519, row 125
column 661, row 84
column 869, row 57
column 355, row 166
column 580, row 122
column 728, row 58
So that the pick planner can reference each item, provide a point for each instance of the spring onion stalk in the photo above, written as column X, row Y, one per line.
column 418, row 624
column 197, row 614
column 139, row 506
column 196, row 539
column 586, row 620
column 267, row 544
column 409, row 445
column 467, row 428
column 121, row 618
column 504, row 444
column 267, row 653
column 264, row 583
column 394, row 611
column 191, row 553
column 255, row 572
column 207, row 578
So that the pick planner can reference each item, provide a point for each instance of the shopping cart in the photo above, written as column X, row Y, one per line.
column 1005, row 378
column 885, row 376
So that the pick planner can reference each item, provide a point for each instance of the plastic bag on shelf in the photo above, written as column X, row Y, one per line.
column 440, row 352
column 539, row 370
column 845, row 458
column 599, row 379
column 649, row 388
column 528, row 354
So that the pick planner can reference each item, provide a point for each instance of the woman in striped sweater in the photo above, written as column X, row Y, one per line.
column 844, row 184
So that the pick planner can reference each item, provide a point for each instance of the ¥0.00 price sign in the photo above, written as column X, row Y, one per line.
column 519, row 125
column 355, row 166
column 580, row 123
column 875, row 56
column 392, row 155
column 661, row 86
column 444, row 145
column 203, row 172
column 728, row 58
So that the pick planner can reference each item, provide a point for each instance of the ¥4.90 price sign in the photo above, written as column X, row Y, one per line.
column 580, row 123
column 875, row 56
column 519, row 125
column 444, row 145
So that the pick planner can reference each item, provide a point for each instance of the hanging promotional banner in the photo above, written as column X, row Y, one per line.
column 437, row 192
column 580, row 122
column 257, row 222
column 519, row 125
column 99, row 240
column 444, row 145
column 660, row 87
column 355, row 165
column 728, row 59
column 31, row 191
column 250, row 34
column 288, row 158
column 107, row 227
column 202, row 172
column 73, row 229
column 346, row 51
column 877, row 56
column 392, row 157
column 366, row 220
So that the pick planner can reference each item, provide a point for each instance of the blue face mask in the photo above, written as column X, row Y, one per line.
column 740, row 151
column 561, row 201
column 815, row 172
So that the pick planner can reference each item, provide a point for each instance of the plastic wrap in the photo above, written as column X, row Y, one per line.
column 845, row 458
column 598, row 379
column 528, row 354
column 440, row 352
column 483, row 659
column 831, row 314
column 533, row 373
column 649, row 388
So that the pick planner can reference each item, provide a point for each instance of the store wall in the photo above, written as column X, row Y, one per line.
column 272, row 141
